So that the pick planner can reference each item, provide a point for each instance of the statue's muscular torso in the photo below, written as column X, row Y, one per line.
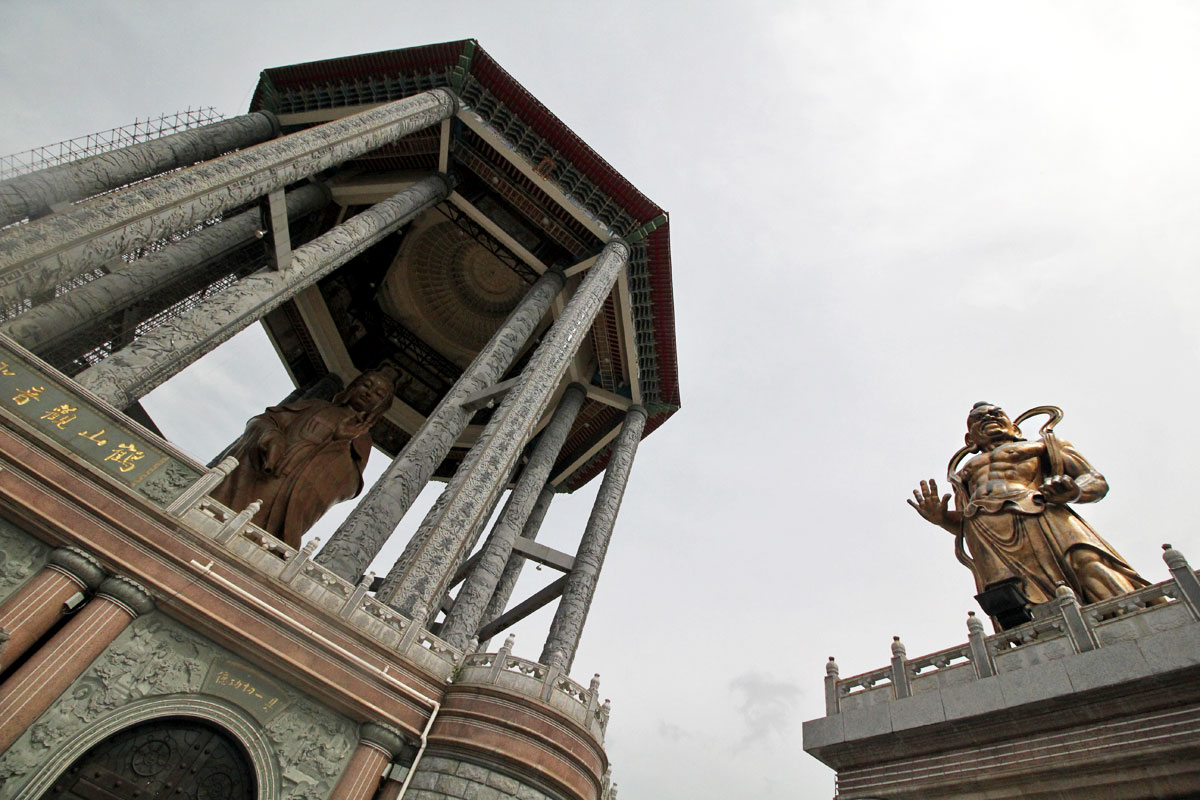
column 1012, row 469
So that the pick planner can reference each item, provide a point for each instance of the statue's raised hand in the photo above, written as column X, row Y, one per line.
column 933, row 508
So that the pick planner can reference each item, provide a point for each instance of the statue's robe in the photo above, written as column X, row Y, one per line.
column 320, row 464
column 1020, row 535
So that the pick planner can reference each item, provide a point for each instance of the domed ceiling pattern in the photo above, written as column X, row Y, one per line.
column 448, row 290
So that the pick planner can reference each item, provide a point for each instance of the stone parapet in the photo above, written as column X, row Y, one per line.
column 1096, row 693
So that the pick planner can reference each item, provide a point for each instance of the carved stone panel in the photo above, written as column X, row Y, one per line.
column 307, row 744
column 21, row 556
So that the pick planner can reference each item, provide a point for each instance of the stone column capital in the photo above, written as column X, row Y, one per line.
column 127, row 593
column 78, row 565
column 384, row 736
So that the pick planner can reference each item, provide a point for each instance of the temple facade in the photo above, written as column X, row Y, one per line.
column 414, row 212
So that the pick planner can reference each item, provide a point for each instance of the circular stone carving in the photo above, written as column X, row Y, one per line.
column 449, row 290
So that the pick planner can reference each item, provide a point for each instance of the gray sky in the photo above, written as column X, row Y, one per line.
column 881, row 213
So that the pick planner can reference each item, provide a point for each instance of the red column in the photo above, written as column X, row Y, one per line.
column 37, row 605
column 377, row 746
column 31, row 689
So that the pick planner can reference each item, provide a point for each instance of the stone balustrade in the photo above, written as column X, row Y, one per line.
column 532, row 679
column 296, row 569
column 1060, row 628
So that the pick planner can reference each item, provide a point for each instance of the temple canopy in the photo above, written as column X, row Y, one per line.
column 530, row 195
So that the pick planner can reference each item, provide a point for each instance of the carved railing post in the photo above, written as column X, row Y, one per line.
column 203, row 485
column 235, row 526
column 832, row 696
column 296, row 563
column 899, row 672
column 981, row 656
column 1076, row 627
column 1185, row 579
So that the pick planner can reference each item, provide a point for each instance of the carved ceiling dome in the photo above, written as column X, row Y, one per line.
column 448, row 290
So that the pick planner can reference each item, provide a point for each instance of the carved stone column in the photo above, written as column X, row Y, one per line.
column 53, row 322
column 377, row 745
column 32, row 195
column 452, row 523
column 516, row 561
column 131, row 373
column 31, row 689
column 37, row 605
column 464, row 620
column 37, row 256
column 360, row 538
column 572, row 611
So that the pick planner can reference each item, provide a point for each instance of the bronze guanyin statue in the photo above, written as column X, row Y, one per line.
column 301, row 458
column 1011, row 512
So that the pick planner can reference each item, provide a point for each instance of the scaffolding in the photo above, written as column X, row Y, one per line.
column 141, row 130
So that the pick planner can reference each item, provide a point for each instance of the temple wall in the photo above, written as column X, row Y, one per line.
column 158, row 668
column 443, row 778
column 21, row 555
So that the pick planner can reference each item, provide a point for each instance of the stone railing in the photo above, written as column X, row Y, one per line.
column 296, row 570
column 531, row 679
column 358, row 608
column 1060, row 628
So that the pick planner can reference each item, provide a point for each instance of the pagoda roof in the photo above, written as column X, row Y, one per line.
column 557, row 163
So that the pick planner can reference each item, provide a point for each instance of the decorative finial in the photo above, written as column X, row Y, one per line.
column 510, row 641
column 831, row 668
column 974, row 624
column 898, row 650
column 1174, row 558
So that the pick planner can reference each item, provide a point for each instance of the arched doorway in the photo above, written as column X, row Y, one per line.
column 180, row 759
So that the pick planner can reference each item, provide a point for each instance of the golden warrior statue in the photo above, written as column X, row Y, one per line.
column 1011, row 511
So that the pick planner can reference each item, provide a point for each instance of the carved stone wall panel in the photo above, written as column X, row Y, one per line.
column 21, row 555
column 156, row 657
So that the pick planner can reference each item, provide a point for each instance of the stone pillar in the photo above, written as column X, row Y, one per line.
column 124, row 377
column 572, row 611
column 37, row 256
column 516, row 561
column 48, row 325
column 34, row 194
column 362, row 535
column 31, row 689
column 37, row 605
column 464, row 620
column 377, row 745
column 419, row 584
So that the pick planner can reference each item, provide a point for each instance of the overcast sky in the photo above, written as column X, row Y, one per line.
column 880, row 213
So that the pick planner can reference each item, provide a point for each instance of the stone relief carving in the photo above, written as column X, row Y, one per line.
column 21, row 555
column 165, row 485
column 157, row 656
